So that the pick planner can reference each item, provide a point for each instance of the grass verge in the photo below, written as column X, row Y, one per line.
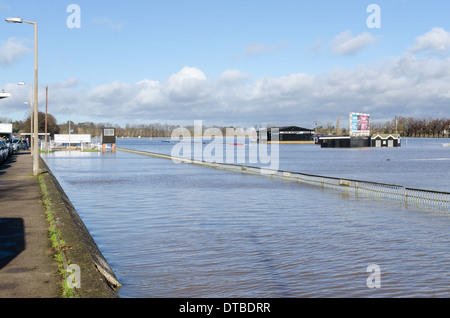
column 58, row 244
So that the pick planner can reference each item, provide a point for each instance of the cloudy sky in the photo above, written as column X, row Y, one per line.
column 228, row 62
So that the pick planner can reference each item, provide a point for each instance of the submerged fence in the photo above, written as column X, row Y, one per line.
column 419, row 198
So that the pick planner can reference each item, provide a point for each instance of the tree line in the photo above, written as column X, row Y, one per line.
column 405, row 126
column 94, row 129
column 415, row 127
column 91, row 128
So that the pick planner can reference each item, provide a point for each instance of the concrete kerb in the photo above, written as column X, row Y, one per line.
column 97, row 278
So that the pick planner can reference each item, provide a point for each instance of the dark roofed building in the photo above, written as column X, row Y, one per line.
column 287, row 134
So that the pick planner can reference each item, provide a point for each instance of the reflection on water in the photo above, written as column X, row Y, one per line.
column 178, row 230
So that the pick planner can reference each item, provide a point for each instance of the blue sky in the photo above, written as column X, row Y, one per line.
column 248, row 62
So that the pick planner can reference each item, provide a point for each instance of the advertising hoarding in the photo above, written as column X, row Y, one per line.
column 359, row 124
column 6, row 128
column 73, row 139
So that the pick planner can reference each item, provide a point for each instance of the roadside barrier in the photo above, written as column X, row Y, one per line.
column 418, row 198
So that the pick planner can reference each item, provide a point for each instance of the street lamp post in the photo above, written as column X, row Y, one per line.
column 69, row 131
column 68, row 109
column 46, row 103
column 35, row 141
column 31, row 115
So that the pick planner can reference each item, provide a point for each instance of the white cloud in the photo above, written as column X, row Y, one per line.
column 12, row 51
column 405, row 86
column 188, row 85
column 401, row 86
column 437, row 39
column 108, row 22
column 148, row 92
column 346, row 44
column 71, row 82
column 257, row 49
column 233, row 77
column 315, row 48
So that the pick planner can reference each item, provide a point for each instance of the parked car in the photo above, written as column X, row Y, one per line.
column 4, row 151
column 19, row 144
column 7, row 138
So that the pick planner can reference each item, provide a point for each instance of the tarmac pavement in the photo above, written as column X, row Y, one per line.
column 27, row 267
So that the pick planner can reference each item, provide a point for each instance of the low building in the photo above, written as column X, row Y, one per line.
column 386, row 140
column 287, row 135
column 343, row 142
column 72, row 140
column 377, row 140
column 4, row 95
column 41, row 136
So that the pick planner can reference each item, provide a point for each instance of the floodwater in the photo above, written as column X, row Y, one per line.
column 181, row 230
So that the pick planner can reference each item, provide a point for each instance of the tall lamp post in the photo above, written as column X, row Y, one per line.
column 31, row 115
column 36, row 131
column 68, row 109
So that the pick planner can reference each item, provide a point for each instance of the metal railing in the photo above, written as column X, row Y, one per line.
column 418, row 198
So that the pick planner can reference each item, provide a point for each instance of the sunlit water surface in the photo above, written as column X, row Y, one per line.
column 180, row 230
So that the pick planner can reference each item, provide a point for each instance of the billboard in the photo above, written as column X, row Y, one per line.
column 359, row 124
column 6, row 128
column 73, row 139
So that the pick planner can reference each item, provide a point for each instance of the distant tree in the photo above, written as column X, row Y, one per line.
column 415, row 127
column 18, row 126
column 52, row 126
column 5, row 120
